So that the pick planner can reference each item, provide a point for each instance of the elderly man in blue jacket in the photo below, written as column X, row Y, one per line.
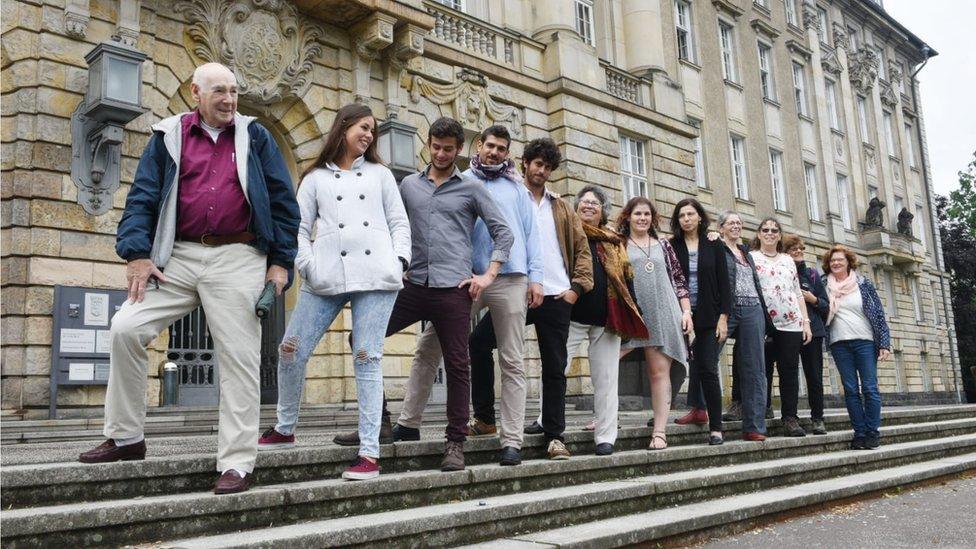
column 210, row 218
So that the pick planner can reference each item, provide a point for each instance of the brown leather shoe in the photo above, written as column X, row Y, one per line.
column 478, row 428
column 108, row 452
column 231, row 483
column 351, row 438
column 453, row 456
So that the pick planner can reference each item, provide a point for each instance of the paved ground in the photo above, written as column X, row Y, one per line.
column 939, row 515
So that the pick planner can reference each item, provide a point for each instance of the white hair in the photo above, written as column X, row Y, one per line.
column 203, row 73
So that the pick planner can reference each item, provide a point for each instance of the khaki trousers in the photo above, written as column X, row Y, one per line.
column 506, row 300
column 227, row 281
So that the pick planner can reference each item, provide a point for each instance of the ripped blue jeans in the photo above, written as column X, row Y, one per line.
column 311, row 318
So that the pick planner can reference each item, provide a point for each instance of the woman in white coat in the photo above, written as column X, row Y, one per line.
column 358, row 257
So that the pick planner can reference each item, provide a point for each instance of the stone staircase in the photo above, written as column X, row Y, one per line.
column 635, row 496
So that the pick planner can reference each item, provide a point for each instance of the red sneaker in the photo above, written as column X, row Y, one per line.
column 694, row 417
column 273, row 440
column 362, row 469
column 753, row 437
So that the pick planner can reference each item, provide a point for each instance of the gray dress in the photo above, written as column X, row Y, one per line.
column 658, row 303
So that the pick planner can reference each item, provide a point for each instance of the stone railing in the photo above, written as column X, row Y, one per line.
column 623, row 84
column 470, row 34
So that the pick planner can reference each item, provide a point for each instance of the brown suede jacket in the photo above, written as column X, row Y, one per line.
column 572, row 244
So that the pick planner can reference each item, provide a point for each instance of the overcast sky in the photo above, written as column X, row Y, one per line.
column 948, row 82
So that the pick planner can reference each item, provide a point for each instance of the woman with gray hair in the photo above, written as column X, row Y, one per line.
column 603, row 315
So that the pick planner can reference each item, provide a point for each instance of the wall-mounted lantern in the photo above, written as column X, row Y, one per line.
column 97, row 125
column 396, row 146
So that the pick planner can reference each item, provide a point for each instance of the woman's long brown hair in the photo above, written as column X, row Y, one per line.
column 335, row 141
column 623, row 220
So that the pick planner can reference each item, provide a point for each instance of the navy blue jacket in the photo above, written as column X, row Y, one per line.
column 811, row 281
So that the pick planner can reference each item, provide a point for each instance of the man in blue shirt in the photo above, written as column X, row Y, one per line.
column 517, row 288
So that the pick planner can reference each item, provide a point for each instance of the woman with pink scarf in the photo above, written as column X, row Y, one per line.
column 858, row 336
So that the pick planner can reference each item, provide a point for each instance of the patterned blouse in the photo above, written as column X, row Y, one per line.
column 781, row 290
column 677, row 274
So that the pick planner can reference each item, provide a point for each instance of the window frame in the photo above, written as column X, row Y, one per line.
column 800, row 89
column 767, row 84
column 777, row 180
column 727, row 50
column 844, row 197
column 911, row 145
column 920, row 224
column 823, row 33
column 810, row 185
column 453, row 4
column 585, row 26
column 739, row 163
column 891, row 306
column 701, row 179
column 887, row 119
column 830, row 95
column 861, row 105
column 792, row 16
column 633, row 167
column 691, row 54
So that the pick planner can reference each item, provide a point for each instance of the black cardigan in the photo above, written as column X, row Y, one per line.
column 714, row 292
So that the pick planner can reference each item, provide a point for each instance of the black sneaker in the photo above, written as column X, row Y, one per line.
column 604, row 449
column 769, row 413
column 351, row 438
column 510, row 456
column 533, row 429
column 872, row 442
column 792, row 428
column 858, row 443
column 818, row 427
column 405, row 433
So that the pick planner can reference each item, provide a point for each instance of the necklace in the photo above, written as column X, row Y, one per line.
column 648, row 265
column 775, row 255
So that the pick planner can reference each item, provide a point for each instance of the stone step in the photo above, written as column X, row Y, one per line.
column 136, row 519
column 72, row 482
column 508, row 515
column 730, row 514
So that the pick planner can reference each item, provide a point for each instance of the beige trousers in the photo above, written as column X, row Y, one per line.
column 227, row 281
column 506, row 300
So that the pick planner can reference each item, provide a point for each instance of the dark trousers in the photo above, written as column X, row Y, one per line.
column 783, row 353
column 449, row 310
column 811, row 356
column 551, row 320
column 703, row 376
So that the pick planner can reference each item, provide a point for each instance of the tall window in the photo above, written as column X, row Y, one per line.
column 791, row 16
column 916, row 299
column 844, row 194
column 813, row 198
column 936, row 307
column 890, row 306
column 862, row 118
column 776, row 177
column 799, row 90
column 872, row 192
column 632, row 170
column 699, row 155
column 831, row 92
column 919, row 222
column 682, row 25
column 766, row 72
column 855, row 38
column 456, row 4
column 911, row 145
column 584, row 21
column 889, row 133
column 727, row 43
column 882, row 65
column 824, row 30
column 737, row 152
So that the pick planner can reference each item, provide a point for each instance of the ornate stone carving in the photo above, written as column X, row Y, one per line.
column 888, row 96
column 128, row 26
column 369, row 38
column 894, row 71
column 76, row 17
column 874, row 217
column 863, row 69
column 840, row 36
column 870, row 160
column 267, row 44
column 469, row 98
column 811, row 20
column 830, row 62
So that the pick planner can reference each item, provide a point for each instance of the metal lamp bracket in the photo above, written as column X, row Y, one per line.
column 95, row 161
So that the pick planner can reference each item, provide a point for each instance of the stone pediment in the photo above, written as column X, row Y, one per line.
column 830, row 62
column 469, row 99
column 267, row 43
column 888, row 96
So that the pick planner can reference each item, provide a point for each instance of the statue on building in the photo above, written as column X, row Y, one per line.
column 874, row 217
column 905, row 219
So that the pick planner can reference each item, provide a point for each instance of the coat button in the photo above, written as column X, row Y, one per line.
column 338, row 198
column 338, row 176
column 360, row 174
column 365, row 223
column 362, row 197
column 342, row 253
column 367, row 252
column 342, row 226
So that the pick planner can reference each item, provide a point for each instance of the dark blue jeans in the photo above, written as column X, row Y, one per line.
column 857, row 363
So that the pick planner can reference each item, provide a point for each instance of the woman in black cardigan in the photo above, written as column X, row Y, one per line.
column 704, row 265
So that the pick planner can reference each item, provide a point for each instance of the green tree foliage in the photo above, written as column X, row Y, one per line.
column 957, row 225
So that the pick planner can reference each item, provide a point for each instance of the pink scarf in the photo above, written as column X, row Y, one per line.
column 839, row 290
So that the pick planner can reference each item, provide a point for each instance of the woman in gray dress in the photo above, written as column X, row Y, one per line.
column 663, row 296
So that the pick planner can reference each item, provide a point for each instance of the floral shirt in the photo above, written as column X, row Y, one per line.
column 781, row 290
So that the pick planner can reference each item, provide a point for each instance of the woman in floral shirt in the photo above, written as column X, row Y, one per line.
column 791, row 327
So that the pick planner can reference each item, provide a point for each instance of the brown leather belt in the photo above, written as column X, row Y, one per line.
column 221, row 239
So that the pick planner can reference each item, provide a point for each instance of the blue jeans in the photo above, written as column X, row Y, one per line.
column 748, row 323
column 311, row 318
column 855, row 359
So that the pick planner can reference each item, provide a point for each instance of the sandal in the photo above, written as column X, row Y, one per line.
column 661, row 437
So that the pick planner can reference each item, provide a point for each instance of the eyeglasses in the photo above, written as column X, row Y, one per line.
column 733, row 223
column 590, row 203
column 795, row 250
column 769, row 230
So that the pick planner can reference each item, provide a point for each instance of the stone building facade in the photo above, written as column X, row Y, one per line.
column 631, row 90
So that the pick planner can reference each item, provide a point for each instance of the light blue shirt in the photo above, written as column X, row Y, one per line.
column 515, row 203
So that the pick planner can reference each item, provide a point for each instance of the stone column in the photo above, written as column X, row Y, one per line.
column 643, row 36
column 553, row 16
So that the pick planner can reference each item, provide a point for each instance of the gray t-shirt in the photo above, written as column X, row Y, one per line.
column 441, row 222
